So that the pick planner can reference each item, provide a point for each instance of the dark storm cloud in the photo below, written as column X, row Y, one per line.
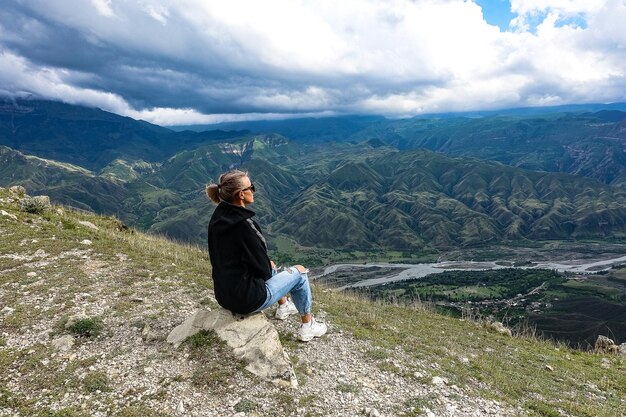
column 182, row 61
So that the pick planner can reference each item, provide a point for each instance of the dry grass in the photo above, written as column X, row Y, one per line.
column 538, row 376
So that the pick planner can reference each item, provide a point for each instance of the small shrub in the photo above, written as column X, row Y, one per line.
column 415, row 406
column 245, row 406
column 89, row 327
column 67, row 224
column 202, row 341
column 96, row 381
column 308, row 400
column 213, row 374
column 7, row 398
column 389, row 367
column 378, row 354
column 286, row 402
column 345, row 387
column 33, row 205
column 206, row 301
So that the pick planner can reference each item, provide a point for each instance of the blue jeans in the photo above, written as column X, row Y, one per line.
column 289, row 281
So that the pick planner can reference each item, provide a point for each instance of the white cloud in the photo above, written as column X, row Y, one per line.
column 158, row 13
column 172, row 117
column 19, row 76
column 561, row 6
column 103, row 7
column 555, row 10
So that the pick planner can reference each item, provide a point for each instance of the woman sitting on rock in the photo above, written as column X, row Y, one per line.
column 245, row 279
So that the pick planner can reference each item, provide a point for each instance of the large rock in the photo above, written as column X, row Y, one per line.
column 18, row 190
column 500, row 328
column 9, row 215
column 63, row 343
column 605, row 345
column 251, row 337
column 89, row 225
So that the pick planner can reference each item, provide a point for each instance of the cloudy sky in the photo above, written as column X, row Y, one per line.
column 203, row 61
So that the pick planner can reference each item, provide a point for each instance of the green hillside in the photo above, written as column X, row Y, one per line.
column 588, row 144
column 588, row 140
column 63, row 182
column 89, row 137
column 583, row 140
column 342, row 196
column 362, row 185
column 125, row 291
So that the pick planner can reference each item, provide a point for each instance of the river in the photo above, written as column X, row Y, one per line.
column 401, row 272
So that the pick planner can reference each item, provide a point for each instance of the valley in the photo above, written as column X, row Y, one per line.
column 349, row 183
column 345, row 276
column 518, row 188
column 570, row 301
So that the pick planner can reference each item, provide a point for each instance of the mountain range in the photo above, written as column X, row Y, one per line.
column 342, row 183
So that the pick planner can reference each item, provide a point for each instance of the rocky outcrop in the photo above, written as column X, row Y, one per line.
column 18, row 190
column 607, row 345
column 252, row 338
column 499, row 328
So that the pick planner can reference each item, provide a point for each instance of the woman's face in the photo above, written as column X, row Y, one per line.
column 247, row 192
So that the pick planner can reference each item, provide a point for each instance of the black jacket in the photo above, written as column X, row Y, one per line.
column 239, row 258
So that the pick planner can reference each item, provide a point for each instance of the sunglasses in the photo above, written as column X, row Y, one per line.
column 251, row 188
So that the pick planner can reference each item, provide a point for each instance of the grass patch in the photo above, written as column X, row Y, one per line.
column 8, row 399
column 542, row 409
column 202, row 342
column 67, row 224
column 379, row 354
column 511, row 369
column 207, row 302
column 346, row 387
column 87, row 327
column 389, row 367
column 245, row 406
column 308, row 400
column 123, row 306
column 214, row 375
column 216, row 364
column 417, row 405
column 285, row 402
column 96, row 381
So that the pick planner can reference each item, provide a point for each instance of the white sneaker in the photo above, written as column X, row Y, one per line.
column 310, row 330
column 285, row 310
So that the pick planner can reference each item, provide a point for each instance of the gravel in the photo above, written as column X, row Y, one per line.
column 338, row 374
